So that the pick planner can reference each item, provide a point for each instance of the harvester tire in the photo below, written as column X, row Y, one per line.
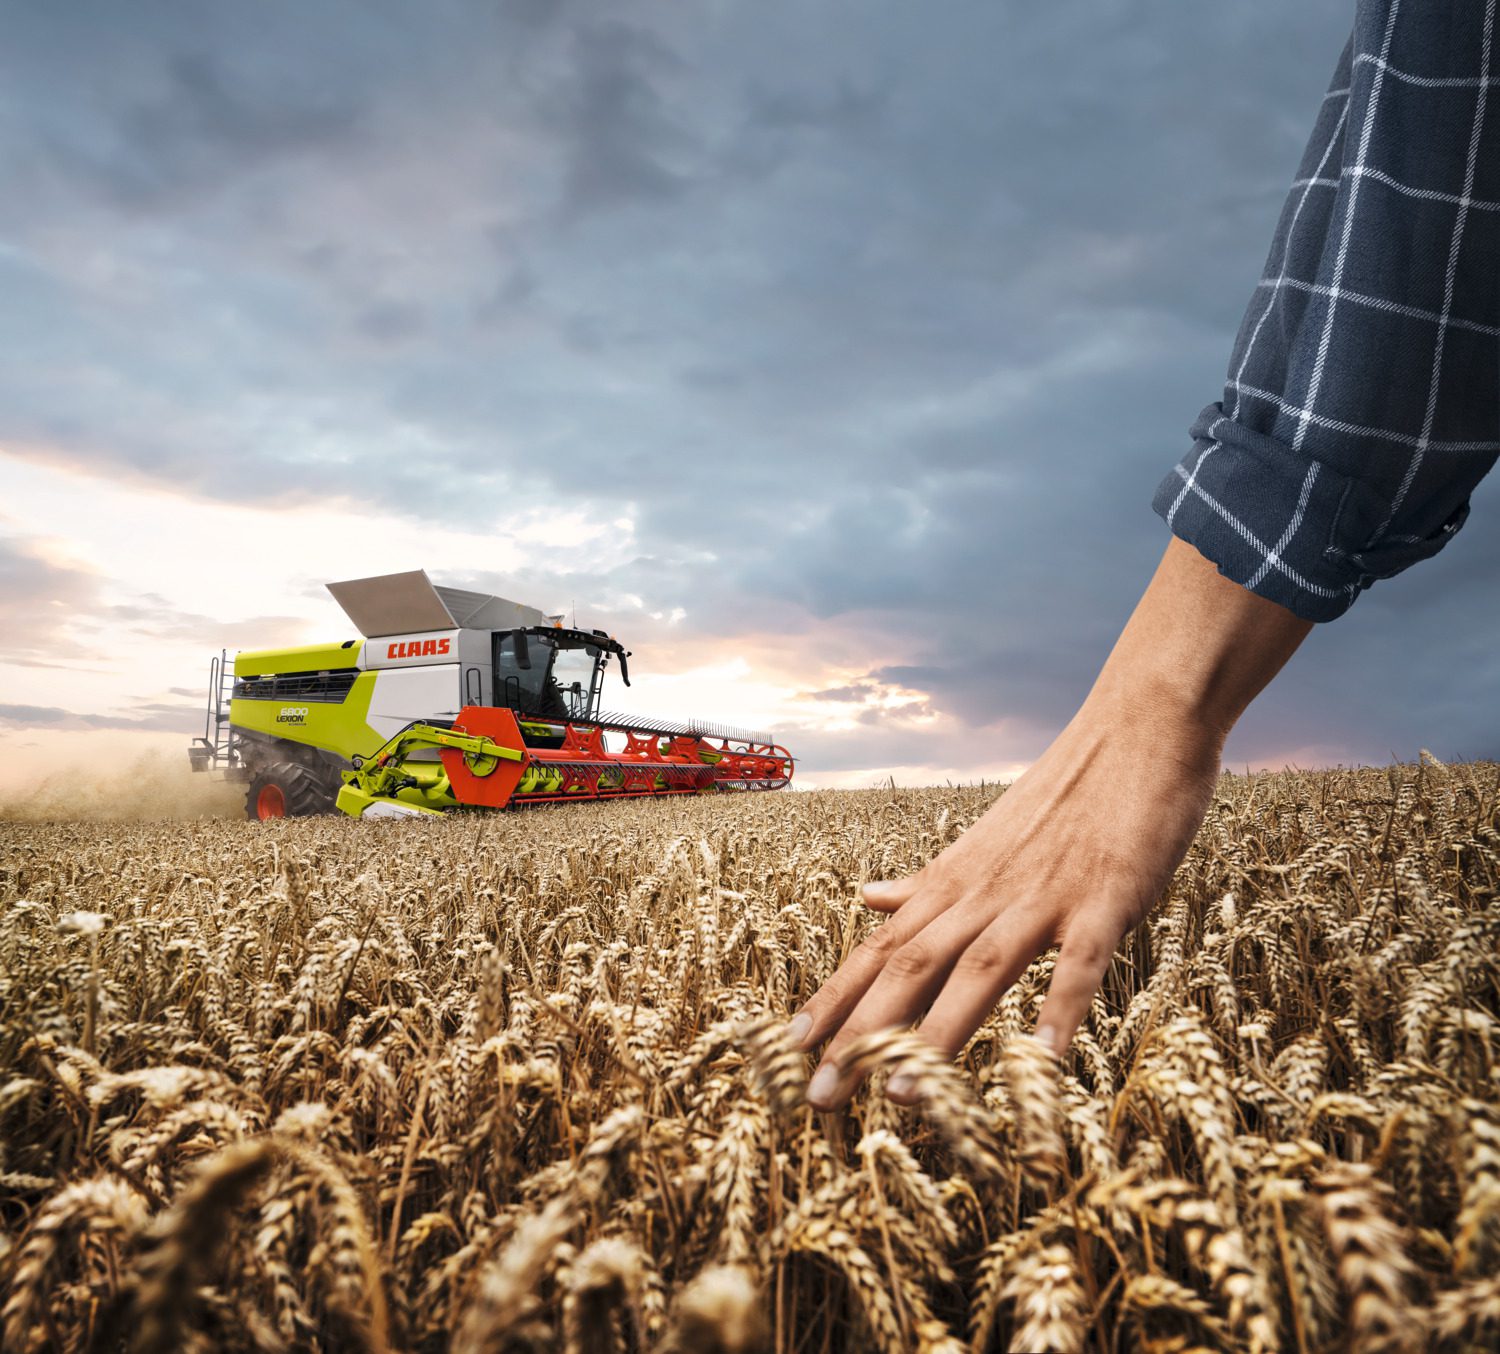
column 286, row 790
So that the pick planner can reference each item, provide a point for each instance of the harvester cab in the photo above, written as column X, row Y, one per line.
column 554, row 672
column 452, row 700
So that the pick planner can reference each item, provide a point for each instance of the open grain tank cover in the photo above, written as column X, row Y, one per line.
column 404, row 604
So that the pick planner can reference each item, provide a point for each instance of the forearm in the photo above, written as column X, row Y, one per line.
column 1080, row 848
column 1197, row 649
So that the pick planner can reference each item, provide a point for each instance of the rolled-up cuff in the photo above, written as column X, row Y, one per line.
column 1289, row 528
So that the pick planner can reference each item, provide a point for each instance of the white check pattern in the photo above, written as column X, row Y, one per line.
column 1363, row 402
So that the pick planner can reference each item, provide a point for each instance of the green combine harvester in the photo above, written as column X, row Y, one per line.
column 452, row 700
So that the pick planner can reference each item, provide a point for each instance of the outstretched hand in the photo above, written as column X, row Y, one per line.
column 1074, row 854
column 1078, row 850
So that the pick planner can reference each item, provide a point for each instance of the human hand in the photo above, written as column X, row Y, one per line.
column 1078, row 850
column 1074, row 854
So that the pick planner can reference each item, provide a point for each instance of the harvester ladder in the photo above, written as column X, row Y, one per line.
column 217, row 729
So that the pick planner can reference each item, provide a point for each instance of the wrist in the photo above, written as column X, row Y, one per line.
column 1196, row 651
column 1162, row 708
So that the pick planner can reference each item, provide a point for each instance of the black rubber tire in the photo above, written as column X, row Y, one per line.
column 300, row 791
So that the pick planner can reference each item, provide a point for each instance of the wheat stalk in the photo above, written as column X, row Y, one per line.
column 543, row 1060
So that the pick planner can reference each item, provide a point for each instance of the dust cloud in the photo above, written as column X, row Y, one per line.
column 153, row 785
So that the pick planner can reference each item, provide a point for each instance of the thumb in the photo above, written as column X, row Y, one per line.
column 886, row 895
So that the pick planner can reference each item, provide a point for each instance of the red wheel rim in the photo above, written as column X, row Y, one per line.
column 270, row 802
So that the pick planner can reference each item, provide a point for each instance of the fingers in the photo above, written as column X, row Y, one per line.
column 996, row 958
column 958, row 958
column 964, row 1005
column 1086, row 951
column 904, row 987
column 831, row 1004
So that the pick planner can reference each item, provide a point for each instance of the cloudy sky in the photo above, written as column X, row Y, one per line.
column 829, row 353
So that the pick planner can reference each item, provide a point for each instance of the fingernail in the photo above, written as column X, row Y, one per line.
column 900, row 1086
column 821, row 1089
column 799, row 1029
column 1048, row 1036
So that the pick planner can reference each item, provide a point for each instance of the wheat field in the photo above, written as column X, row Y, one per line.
column 520, row 1083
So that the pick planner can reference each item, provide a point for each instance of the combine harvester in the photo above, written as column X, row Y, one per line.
column 452, row 700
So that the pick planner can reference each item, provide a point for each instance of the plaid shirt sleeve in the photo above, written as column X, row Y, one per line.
column 1363, row 399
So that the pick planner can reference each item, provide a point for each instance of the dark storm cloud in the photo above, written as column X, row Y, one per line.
column 619, row 132
column 873, row 316
column 199, row 131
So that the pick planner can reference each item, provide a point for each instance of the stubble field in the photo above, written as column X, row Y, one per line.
column 519, row 1083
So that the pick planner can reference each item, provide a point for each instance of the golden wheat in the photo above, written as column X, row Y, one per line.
column 524, row 1082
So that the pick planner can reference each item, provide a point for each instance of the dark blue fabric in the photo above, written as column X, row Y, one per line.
column 1363, row 399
